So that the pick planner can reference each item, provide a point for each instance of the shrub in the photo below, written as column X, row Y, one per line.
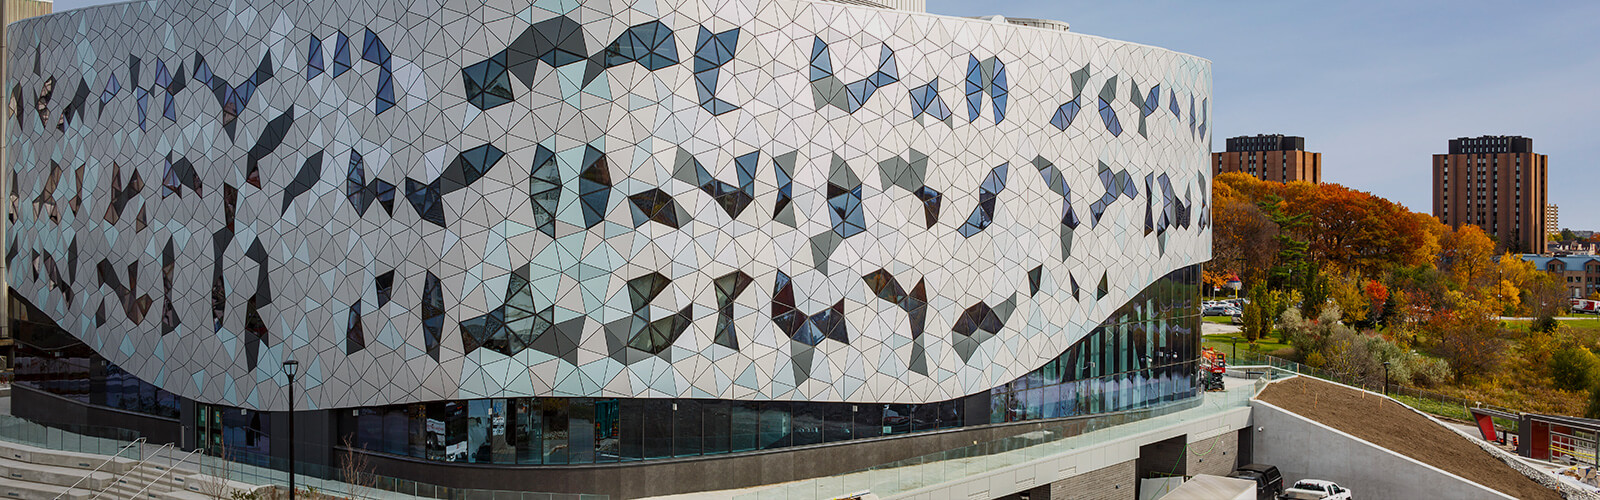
column 1545, row 323
column 1573, row 368
column 1429, row 372
column 1593, row 410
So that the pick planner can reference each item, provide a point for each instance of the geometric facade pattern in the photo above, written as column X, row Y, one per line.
column 757, row 200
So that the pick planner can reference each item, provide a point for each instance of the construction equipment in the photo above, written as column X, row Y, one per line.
column 1213, row 364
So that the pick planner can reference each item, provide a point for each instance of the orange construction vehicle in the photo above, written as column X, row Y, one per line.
column 1213, row 364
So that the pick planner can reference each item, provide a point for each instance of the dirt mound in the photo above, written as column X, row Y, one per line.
column 1390, row 425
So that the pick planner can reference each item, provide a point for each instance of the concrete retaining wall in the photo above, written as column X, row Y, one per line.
column 1302, row 448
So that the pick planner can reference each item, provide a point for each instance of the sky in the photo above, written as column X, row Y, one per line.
column 1377, row 87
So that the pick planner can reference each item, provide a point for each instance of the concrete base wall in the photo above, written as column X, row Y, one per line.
column 1302, row 448
column 1217, row 455
column 1115, row 482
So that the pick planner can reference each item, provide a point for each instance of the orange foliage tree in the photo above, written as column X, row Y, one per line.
column 1347, row 229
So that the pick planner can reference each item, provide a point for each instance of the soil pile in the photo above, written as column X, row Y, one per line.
column 1388, row 424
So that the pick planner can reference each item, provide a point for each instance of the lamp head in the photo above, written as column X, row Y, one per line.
column 290, row 367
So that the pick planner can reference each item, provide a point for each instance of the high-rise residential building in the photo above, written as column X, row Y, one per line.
column 1552, row 217
column 1276, row 157
column 1498, row 184
column 566, row 246
column 17, row 10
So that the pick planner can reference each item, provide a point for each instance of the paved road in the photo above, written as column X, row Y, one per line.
column 1209, row 328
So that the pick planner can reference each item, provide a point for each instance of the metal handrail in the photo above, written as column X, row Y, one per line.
column 163, row 474
column 135, row 468
column 108, row 460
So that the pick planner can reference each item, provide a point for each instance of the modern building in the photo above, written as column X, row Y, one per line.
column 1498, row 184
column 1581, row 273
column 1276, row 157
column 558, row 246
column 1552, row 217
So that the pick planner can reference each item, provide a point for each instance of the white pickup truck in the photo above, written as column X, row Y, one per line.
column 1316, row 489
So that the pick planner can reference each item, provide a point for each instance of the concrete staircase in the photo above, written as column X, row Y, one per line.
column 30, row 473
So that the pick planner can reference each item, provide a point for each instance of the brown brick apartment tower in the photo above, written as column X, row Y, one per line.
column 1496, row 183
column 1276, row 157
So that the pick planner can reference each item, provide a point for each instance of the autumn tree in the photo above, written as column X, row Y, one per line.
column 1468, row 338
column 1244, row 239
column 1345, row 289
column 1466, row 255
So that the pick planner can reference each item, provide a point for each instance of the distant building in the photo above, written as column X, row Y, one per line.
column 1498, row 184
column 1575, row 247
column 1552, row 217
column 1581, row 273
column 17, row 10
column 1277, row 157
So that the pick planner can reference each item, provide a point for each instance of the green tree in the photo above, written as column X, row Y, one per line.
column 1255, row 325
column 1573, row 368
column 1292, row 268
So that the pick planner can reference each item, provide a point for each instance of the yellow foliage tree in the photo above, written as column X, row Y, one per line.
column 1344, row 287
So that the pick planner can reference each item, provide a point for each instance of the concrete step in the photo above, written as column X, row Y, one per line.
column 33, row 454
column 53, row 475
column 11, row 489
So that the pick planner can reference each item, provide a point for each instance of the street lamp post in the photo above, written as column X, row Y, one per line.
column 1386, row 378
column 289, row 368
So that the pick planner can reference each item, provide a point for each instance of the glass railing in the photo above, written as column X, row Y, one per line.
column 260, row 469
column 1056, row 438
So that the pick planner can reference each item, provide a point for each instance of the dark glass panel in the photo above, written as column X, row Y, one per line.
column 369, row 429
column 868, row 420
column 776, row 426
column 632, row 415
column 657, row 428
column 416, row 430
column 479, row 450
column 396, row 433
column 686, row 428
column 897, row 418
column 555, row 430
column 529, row 431
column 435, row 429
column 807, row 424
column 455, row 431
column 744, row 425
column 838, row 422
column 950, row 414
column 504, row 450
column 581, row 432
column 717, row 426
column 925, row 417
column 607, row 430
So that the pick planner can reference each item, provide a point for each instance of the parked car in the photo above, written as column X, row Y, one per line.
column 1316, row 489
column 1219, row 311
column 1269, row 483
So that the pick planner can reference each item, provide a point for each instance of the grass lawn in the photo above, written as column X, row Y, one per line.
column 1224, row 343
column 1442, row 409
column 1578, row 324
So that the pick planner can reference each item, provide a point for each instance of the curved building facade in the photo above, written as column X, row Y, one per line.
column 509, row 215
